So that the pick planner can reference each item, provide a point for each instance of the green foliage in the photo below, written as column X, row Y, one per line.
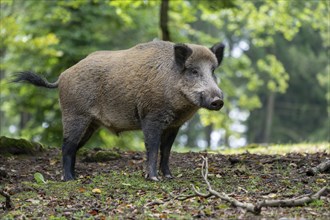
column 295, row 118
column 53, row 38
column 276, row 73
column 50, row 36
column 317, row 203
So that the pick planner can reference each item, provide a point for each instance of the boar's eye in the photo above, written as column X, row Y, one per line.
column 212, row 69
column 194, row 72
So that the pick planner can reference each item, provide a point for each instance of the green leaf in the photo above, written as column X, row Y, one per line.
column 39, row 178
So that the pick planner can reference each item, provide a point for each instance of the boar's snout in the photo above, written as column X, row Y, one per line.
column 216, row 104
column 212, row 102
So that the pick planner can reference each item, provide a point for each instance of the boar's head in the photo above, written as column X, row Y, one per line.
column 198, row 82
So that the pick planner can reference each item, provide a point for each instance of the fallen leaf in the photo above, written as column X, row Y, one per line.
column 163, row 216
column 293, row 165
column 94, row 212
column 52, row 162
column 321, row 181
column 39, row 178
column 96, row 190
column 271, row 195
column 126, row 184
column 33, row 201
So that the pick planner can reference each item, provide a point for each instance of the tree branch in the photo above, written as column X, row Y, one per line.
column 254, row 208
column 294, row 201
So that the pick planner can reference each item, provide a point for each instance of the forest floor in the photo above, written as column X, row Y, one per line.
column 117, row 189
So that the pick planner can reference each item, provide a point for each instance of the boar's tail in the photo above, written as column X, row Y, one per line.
column 34, row 79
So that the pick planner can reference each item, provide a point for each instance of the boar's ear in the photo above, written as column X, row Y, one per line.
column 181, row 54
column 218, row 49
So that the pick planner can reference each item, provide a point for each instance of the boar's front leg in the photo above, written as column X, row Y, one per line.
column 167, row 140
column 152, row 134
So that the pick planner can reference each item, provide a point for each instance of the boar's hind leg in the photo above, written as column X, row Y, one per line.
column 77, row 132
column 167, row 140
column 152, row 134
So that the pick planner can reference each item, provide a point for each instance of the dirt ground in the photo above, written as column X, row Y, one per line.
column 247, row 177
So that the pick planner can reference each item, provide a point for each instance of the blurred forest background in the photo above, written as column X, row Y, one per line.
column 275, row 75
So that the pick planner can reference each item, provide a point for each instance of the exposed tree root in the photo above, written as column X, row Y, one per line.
column 8, row 204
column 325, row 165
column 254, row 208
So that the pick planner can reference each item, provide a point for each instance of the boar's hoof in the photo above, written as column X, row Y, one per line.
column 168, row 176
column 153, row 178
column 68, row 178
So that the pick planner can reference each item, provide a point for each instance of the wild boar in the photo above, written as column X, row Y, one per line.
column 155, row 87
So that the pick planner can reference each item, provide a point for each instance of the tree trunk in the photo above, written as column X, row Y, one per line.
column 2, row 114
column 269, row 117
column 191, row 132
column 25, row 117
column 164, row 7
column 208, row 131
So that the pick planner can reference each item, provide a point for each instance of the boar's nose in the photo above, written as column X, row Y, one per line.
column 217, row 103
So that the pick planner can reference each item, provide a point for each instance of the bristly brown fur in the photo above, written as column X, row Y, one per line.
column 155, row 87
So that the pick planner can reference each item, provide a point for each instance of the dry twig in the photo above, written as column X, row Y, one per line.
column 254, row 208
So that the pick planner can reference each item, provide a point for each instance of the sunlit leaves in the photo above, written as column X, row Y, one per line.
column 45, row 43
column 123, row 9
column 9, row 29
column 249, row 102
column 75, row 4
column 277, row 76
column 254, row 82
column 208, row 118
column 60, row 13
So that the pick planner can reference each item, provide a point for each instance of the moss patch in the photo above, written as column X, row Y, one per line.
column 99, row 155
column 19, row 146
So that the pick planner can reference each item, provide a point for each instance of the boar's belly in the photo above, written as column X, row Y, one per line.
column 120, row 121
